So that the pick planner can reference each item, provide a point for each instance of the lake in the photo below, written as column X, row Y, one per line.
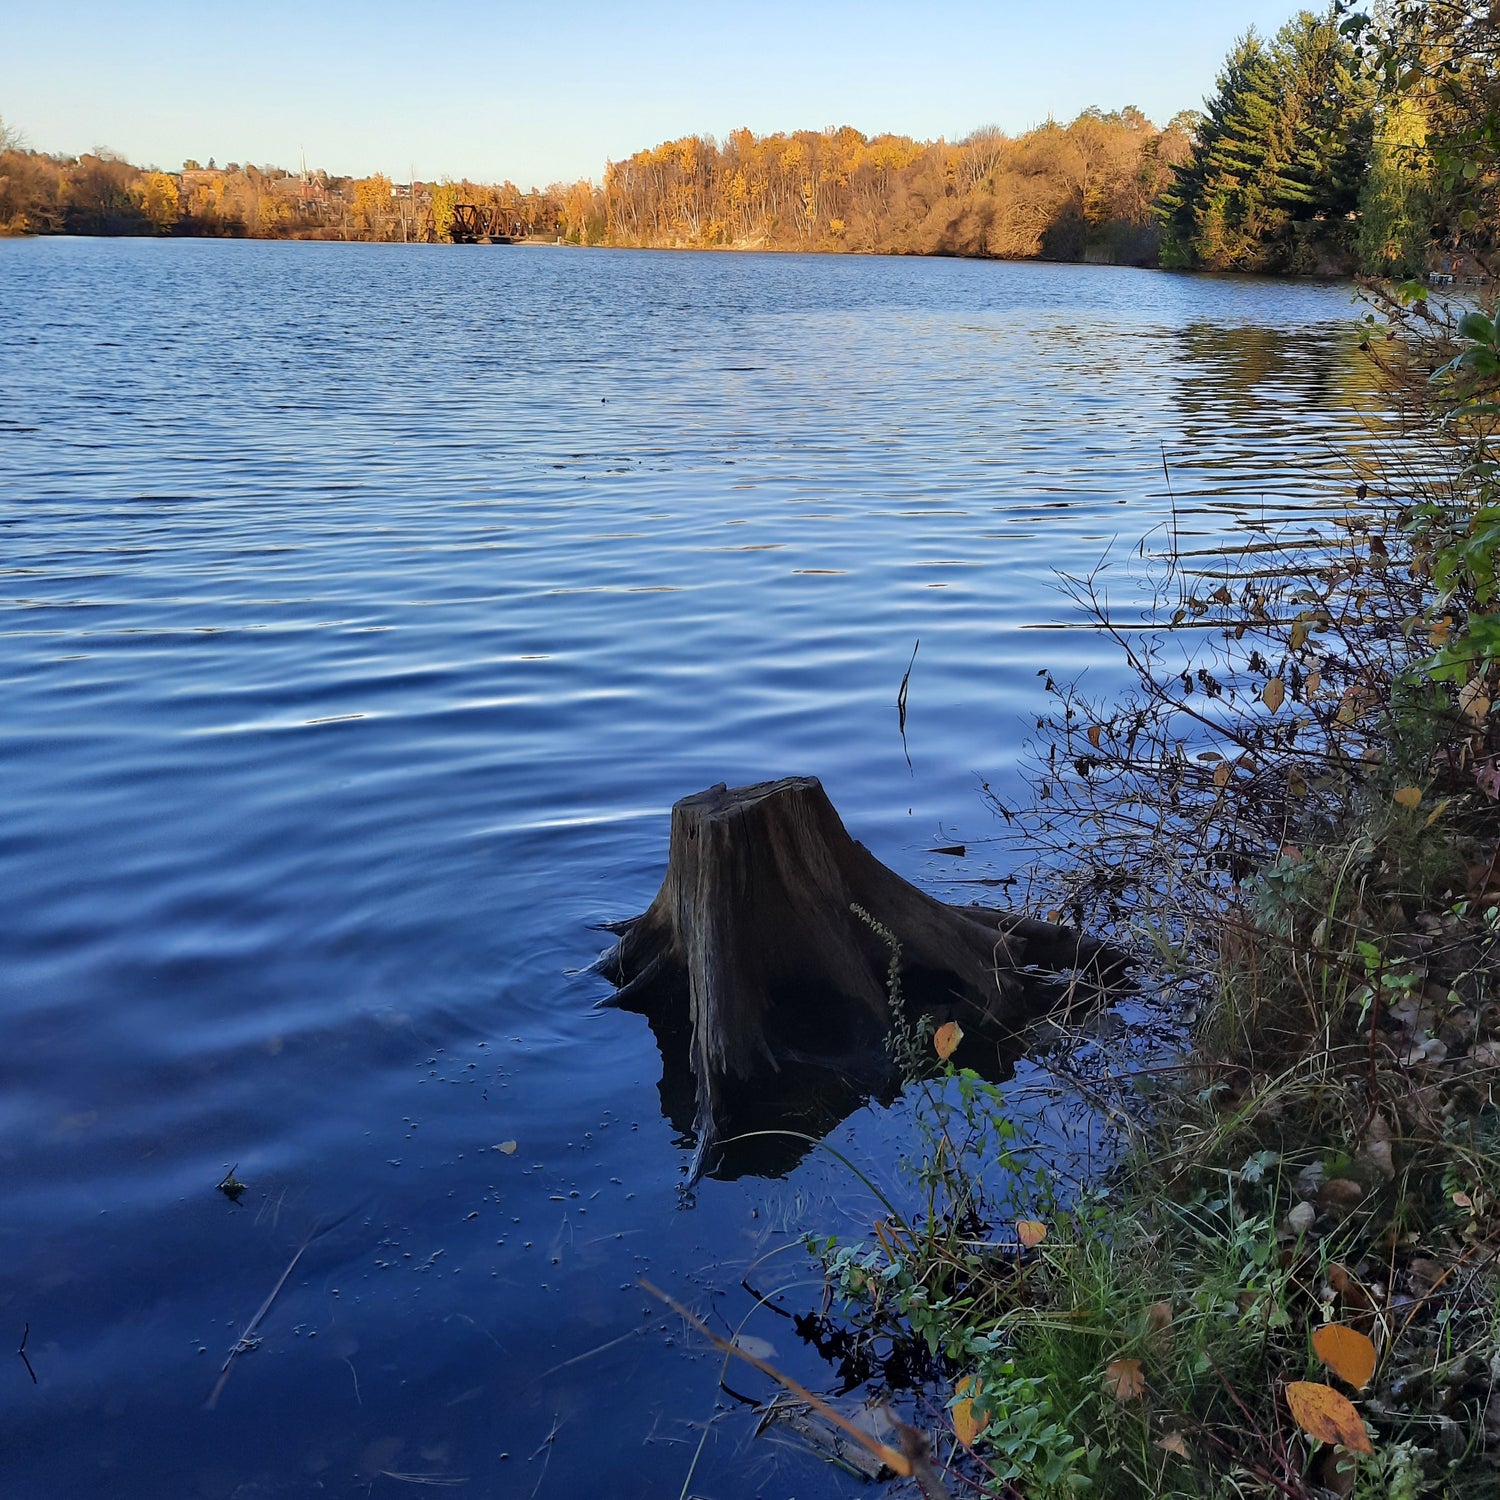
column 364, row 611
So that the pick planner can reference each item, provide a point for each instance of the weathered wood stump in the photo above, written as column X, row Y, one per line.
column 755, row 925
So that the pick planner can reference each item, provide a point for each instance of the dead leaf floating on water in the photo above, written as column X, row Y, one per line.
column 1347, row 1352
column 1030, row 1232
column 1124, row 1379
column 946, row 1039
column 760, row 1348
column 1323, row 1414
column 507, row 1148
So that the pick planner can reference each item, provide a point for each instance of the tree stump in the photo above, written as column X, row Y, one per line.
column 755, row 926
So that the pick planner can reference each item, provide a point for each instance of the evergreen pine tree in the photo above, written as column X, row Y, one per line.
column 1278, row 162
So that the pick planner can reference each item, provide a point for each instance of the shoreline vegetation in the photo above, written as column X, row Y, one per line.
column 1286, row 1283
column 1304, row 161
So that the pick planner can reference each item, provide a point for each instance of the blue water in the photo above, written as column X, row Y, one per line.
column 364, row 610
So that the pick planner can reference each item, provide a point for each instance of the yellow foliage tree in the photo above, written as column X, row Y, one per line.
column 372, row 202
column 160, row 201
column 446, row 197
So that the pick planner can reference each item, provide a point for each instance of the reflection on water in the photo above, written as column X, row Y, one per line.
column 364, row 611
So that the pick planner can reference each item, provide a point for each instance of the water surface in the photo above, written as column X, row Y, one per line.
column 364, row 610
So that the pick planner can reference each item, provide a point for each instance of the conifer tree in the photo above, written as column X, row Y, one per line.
column 1279, row 159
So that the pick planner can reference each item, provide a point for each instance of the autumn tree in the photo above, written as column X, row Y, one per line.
column 160, row 200
column 100, row 197
column 1438, row 63
column 1397, row 202
column 371, row 205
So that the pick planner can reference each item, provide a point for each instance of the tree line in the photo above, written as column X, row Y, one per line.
column 1084, row 190
column 1059, row 191
column 1314, row 154
column 99, row 193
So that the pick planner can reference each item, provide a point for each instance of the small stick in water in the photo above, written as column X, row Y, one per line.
column 897, row 1463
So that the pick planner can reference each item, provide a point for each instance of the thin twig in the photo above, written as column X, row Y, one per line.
column 896, row 1462
column 247, row 1340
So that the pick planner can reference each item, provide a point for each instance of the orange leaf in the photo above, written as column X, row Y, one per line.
column 1030, row 1232
column 1322, row 1413
column 946, row 1039
column 1274, row 693
column 1095, row 734
column 1409, row 796
column 1124, row 1379
column 1347, row 1352
column 966, row 1426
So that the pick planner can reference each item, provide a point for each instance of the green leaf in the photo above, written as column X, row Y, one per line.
column 1474, row 325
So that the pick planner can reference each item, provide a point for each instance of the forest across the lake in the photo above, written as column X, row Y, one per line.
column 1304, row 159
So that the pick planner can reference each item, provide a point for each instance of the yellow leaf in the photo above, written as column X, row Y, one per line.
column 1437, row 812
column 1299, row 635
column 1030, row 1232
column 1096, row 733
column 1410, row 796
column 1274, row 694
column 1347, row 1352
column 508, row 1147
column 966, row 1425
column 946, row 1039
column 1322, row 1413
column 1124, row 1379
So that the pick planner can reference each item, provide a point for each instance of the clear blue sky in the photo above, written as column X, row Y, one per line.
column 539, row 92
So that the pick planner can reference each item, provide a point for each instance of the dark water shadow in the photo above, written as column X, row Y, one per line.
column 835, row 1064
